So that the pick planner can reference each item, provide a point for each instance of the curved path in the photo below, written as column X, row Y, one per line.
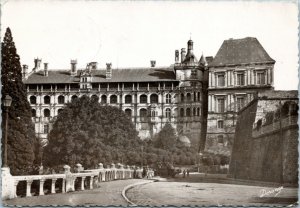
column 109, row 193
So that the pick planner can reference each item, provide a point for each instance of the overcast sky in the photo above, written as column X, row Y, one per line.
column 130, row 33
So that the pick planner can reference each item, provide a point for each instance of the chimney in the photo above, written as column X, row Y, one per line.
column 94, row 65
column 73, row 67
column 45, row 69
column 153, row 63
column 182, row 54
column 108, row 71
column 89, row 68
column 176, row 56
column 37, row 64
column 25, row 71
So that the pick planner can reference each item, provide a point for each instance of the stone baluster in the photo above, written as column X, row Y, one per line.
column 41, row 191
column 53, row 186
column 28, row 188
column 15, row 189
column 82, row 183
column 91, row 182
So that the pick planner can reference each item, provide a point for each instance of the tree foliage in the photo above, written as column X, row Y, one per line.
column 21, row 137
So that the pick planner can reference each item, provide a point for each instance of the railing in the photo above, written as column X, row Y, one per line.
column 66, row 182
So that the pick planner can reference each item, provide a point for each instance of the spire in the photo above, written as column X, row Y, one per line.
column 203, row 61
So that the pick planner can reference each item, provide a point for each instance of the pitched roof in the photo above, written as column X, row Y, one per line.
column 241, row 51
column 118, row 75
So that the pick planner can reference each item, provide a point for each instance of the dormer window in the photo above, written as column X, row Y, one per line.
column 240, row 79
column 260, row 78
column 221, row 80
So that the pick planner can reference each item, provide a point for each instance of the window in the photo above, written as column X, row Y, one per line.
column 33, row 113
column 47, row 99
column 103, row 99
column 221, row 105
column 181, row 112
column 168, row 112
column 73, row 98
column 221, row 80
column 188, row 97
column 194, row 112
column 128, row 112
column 260, row 78
column 154, row 98
column 46, row 129
column 220, row 139
column 168, row 98
column 220, row 124
column 195, row 95
column 240, row 101
column 46, row 112
column 143, row 99
column 153, row 113
column 182, row 97
column 113, row 99
column 128, row 99
column 188, row 112
column 61, row 99
column 199, row 96
column 240, row 79
column 143, row 112
column 32, row 99
column 198, row 111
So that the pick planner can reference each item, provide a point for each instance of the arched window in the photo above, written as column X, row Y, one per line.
column 168, row 98
column 168, row 113
column 182, row 97
column 128, row 112
column 95, row 98
column 195, row 99
column 61, row 99
column 181, row 112
column 59, row 111
column 33, row 113
column 103, row 99
column 74, row 97
column 153, row 113
column 198, row 96
column 47, row 99
column 154, row 98
column 194, row 112
column 32, row 99
column 143, row 99
column 143, row 112
column 113, row 99
column 188, row 97
column 46, row 112
column 188, row 112
column 128, row 99
column 198, row 111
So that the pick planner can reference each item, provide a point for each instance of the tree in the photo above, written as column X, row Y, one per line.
column 21, row 138
column 166, row 138
column 86, row 132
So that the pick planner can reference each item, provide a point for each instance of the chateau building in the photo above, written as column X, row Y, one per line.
column 151, row 96
column 240, row 69
column 200, row 99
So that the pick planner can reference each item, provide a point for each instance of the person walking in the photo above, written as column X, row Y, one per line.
column 184, row 173
column 188, row 172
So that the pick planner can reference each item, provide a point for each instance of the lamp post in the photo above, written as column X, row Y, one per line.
column 6, row 103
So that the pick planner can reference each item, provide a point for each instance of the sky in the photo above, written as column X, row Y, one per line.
column 131, row 33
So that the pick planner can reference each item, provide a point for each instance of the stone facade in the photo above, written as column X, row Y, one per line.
column 266, row 140
column 151, row 96
column 240, row 69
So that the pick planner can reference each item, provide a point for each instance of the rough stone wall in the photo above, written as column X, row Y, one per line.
column 269, row 153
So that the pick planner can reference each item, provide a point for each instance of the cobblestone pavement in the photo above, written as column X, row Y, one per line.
column 185, row 193
column 108, row 194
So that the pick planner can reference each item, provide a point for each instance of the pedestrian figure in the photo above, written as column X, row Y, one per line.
column 184, row 173
column 188, row 172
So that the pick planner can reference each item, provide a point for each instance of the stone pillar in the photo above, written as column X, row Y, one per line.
column 28, row 188
column 9, row 186
column 82, row 183
column 41, row 191
column 53, row 186
column 91, row 182
column 69, row 179
column 63, row 188
column 100, row 166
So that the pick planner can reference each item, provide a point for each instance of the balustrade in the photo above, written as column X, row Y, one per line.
column 66, row 182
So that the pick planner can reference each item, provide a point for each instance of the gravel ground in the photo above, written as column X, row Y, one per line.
column 185, row 193
column 108, row 194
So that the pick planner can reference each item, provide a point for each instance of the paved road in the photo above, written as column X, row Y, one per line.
column 108, row 194
column 193, row 193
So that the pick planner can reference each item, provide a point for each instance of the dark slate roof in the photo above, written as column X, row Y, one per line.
column 118, row 75
column 241, row 51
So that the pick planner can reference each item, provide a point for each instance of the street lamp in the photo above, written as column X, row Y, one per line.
column 6, row 103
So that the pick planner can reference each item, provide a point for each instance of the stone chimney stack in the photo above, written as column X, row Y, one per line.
column 108, row 71
column 176, row 56
column 153, row 63
column 37, row 64
column 182, row 54
column 25, row 71
column 73, row 67
column 45, row 69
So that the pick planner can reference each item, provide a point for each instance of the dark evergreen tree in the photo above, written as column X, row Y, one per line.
column 166, row 138
column 21, row 137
